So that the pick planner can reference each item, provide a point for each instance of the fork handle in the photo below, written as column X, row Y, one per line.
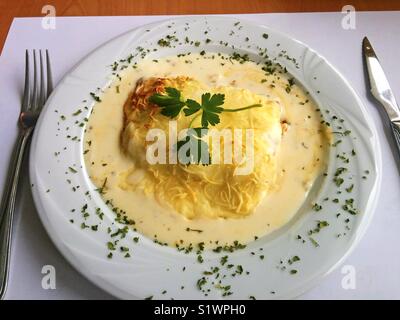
column 7, row 208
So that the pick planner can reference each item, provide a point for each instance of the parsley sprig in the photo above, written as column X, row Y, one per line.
column 171, row 103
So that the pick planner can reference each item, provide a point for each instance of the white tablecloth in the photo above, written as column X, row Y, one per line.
column 376, row 259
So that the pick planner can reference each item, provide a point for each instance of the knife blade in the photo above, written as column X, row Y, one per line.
column 381, row 90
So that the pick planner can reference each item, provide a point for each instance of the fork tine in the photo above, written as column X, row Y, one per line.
column 34, row 95
column 49, row 76
column 25, row 99
column 42, row 94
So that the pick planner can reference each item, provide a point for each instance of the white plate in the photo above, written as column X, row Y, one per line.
column 154, row 268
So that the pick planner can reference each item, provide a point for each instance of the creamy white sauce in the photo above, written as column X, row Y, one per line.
column 302, row 156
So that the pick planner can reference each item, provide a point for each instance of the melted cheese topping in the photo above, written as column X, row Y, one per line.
column 226, row 188
column 132, row 186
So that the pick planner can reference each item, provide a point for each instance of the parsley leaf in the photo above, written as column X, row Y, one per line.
column 210, row 105
column 192, row 107
column 170, row 103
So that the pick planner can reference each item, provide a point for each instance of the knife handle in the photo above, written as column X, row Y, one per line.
column 396, row 134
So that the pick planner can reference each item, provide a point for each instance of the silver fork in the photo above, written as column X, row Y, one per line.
column 33, row 100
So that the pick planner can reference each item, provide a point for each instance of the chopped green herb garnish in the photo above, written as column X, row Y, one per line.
column 315, row 243
column 95, row 97
column 110, row 246
column 316, row 207
column 72, row 170
column 77, row 112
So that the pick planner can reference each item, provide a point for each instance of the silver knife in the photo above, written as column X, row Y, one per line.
column 380, row 89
